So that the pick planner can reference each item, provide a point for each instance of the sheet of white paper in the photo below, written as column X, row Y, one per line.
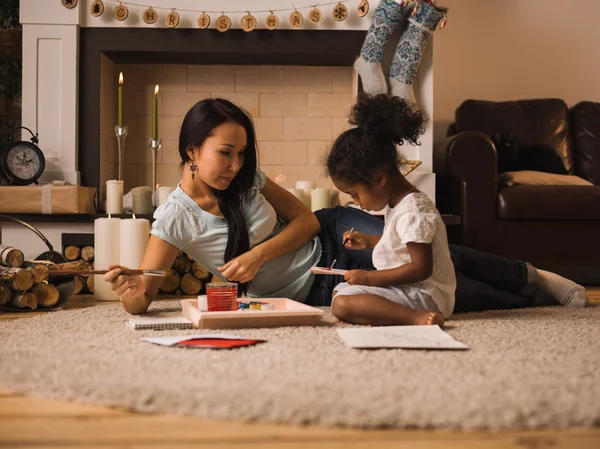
column 173, row 340
column 334, row 271
column 408, row 337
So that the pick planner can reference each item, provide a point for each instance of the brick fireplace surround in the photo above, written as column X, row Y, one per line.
column 67, row 53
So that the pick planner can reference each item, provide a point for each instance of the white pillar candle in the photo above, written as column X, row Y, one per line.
column 142, row 200
column 106, row 252
column 135, row 233
column 319, row 199
column 114, row 197
column 307, row 186
column 163, row 194
column 298, row 193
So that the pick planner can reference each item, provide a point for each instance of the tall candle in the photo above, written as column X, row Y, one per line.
column 298, row 193
column 155, row 114
column 307, row 186
column 163, row 194
column 320, row 199
column 107, row 244
column 114, row 197
column 142, row 200
column 135, row 233
column 120, row 109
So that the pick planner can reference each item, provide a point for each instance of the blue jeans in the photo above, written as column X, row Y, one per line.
column 483, row 281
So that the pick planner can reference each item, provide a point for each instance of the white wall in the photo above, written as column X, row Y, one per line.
column 514, row 49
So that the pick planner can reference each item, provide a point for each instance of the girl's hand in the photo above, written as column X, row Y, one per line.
column 126, row 286
column 357, row 277
column 243, row 268
column 355, row 240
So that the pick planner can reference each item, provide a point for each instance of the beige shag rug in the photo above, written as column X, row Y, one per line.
column 527, row 368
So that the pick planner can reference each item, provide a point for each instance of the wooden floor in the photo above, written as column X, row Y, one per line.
column 28, row 422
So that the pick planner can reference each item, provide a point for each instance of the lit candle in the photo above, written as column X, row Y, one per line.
column 141, row 200
column 120, row 119
column 155, row 114
column 319, row 199
column 135, row 233
column 163, row 194
column 114, row 197
column 107, row 243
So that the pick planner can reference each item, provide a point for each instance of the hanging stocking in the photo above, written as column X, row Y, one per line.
column 386, row 18
column 413, row 42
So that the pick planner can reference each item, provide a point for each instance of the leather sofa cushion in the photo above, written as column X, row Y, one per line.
column 532, row 122
column 549, row 203
column 538, row 178
column 585, row 126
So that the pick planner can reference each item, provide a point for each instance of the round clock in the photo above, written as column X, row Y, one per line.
column 22, row 163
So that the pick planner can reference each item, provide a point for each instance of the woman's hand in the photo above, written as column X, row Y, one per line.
column 243, row 268
column 127, row 287
column 355, row 240
column 358, row 277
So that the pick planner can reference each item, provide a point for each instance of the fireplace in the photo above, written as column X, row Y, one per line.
column 82, row 56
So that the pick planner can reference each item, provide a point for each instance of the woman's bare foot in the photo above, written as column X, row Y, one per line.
column 429, row 319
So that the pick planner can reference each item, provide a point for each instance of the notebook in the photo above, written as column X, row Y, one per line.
column 165, row 323
column 407, row 337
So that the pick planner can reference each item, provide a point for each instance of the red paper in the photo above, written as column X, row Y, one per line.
column 218, row 343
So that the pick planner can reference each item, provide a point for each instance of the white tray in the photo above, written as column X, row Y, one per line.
column 287, row 312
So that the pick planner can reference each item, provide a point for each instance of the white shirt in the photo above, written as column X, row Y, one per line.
column 415, row 219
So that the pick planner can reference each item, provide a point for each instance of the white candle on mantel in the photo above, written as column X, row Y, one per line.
column 114, row 197
column 142, row 200
column 307, row 186
column 320, row 199
column 135, row 233
column 163, row 194
column 107, row 242
column 298, row 193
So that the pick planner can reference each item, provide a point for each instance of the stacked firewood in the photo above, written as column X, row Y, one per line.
column 24, row 284
column 82, row 258
column 188, row 277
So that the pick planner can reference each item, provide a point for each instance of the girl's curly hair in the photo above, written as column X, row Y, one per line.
column 381, row 123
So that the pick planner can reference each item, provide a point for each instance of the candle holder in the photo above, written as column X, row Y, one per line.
column 155, row 145
column 121, row 132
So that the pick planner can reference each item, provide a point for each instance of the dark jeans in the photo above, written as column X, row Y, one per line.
column 483, row 281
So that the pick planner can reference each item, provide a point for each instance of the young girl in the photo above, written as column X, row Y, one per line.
column 415, row 281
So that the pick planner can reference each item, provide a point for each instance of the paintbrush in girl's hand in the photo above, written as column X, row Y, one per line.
column 125, row 272
column 344, row 245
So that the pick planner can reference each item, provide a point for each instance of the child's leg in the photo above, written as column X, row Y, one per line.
column 377, row 311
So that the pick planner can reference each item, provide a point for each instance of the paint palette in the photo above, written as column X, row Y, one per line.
column 286, row 312
column 331, row 271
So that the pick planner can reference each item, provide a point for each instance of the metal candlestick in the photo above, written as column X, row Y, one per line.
column 121, row 132
column 155, row 145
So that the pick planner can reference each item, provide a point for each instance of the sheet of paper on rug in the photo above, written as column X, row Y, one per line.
column 407, row 337
column 159, row 323
column 332, row 271
column 213, row 341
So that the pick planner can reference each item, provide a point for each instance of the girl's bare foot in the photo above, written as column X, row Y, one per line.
column 429, row 319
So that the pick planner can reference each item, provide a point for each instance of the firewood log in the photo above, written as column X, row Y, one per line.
column 11, row 257
column 190, row 285
column 47, row 295
column 5, row 294
column 171, row 283
column 89, row 283
column 74, row 265
column 19, row 279
column 24, row 300
column 72, row 252
column 38, row 270
column 182, row 265
column 78, row 287
column 199, row 271
column 87, row 253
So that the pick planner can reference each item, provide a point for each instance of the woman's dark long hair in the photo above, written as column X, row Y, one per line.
column 381, row 123
column 199, row 124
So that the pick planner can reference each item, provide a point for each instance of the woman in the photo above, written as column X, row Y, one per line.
column 241, row 226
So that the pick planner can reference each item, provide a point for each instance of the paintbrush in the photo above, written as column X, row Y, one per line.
column 344, row 245
column 125, row 272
